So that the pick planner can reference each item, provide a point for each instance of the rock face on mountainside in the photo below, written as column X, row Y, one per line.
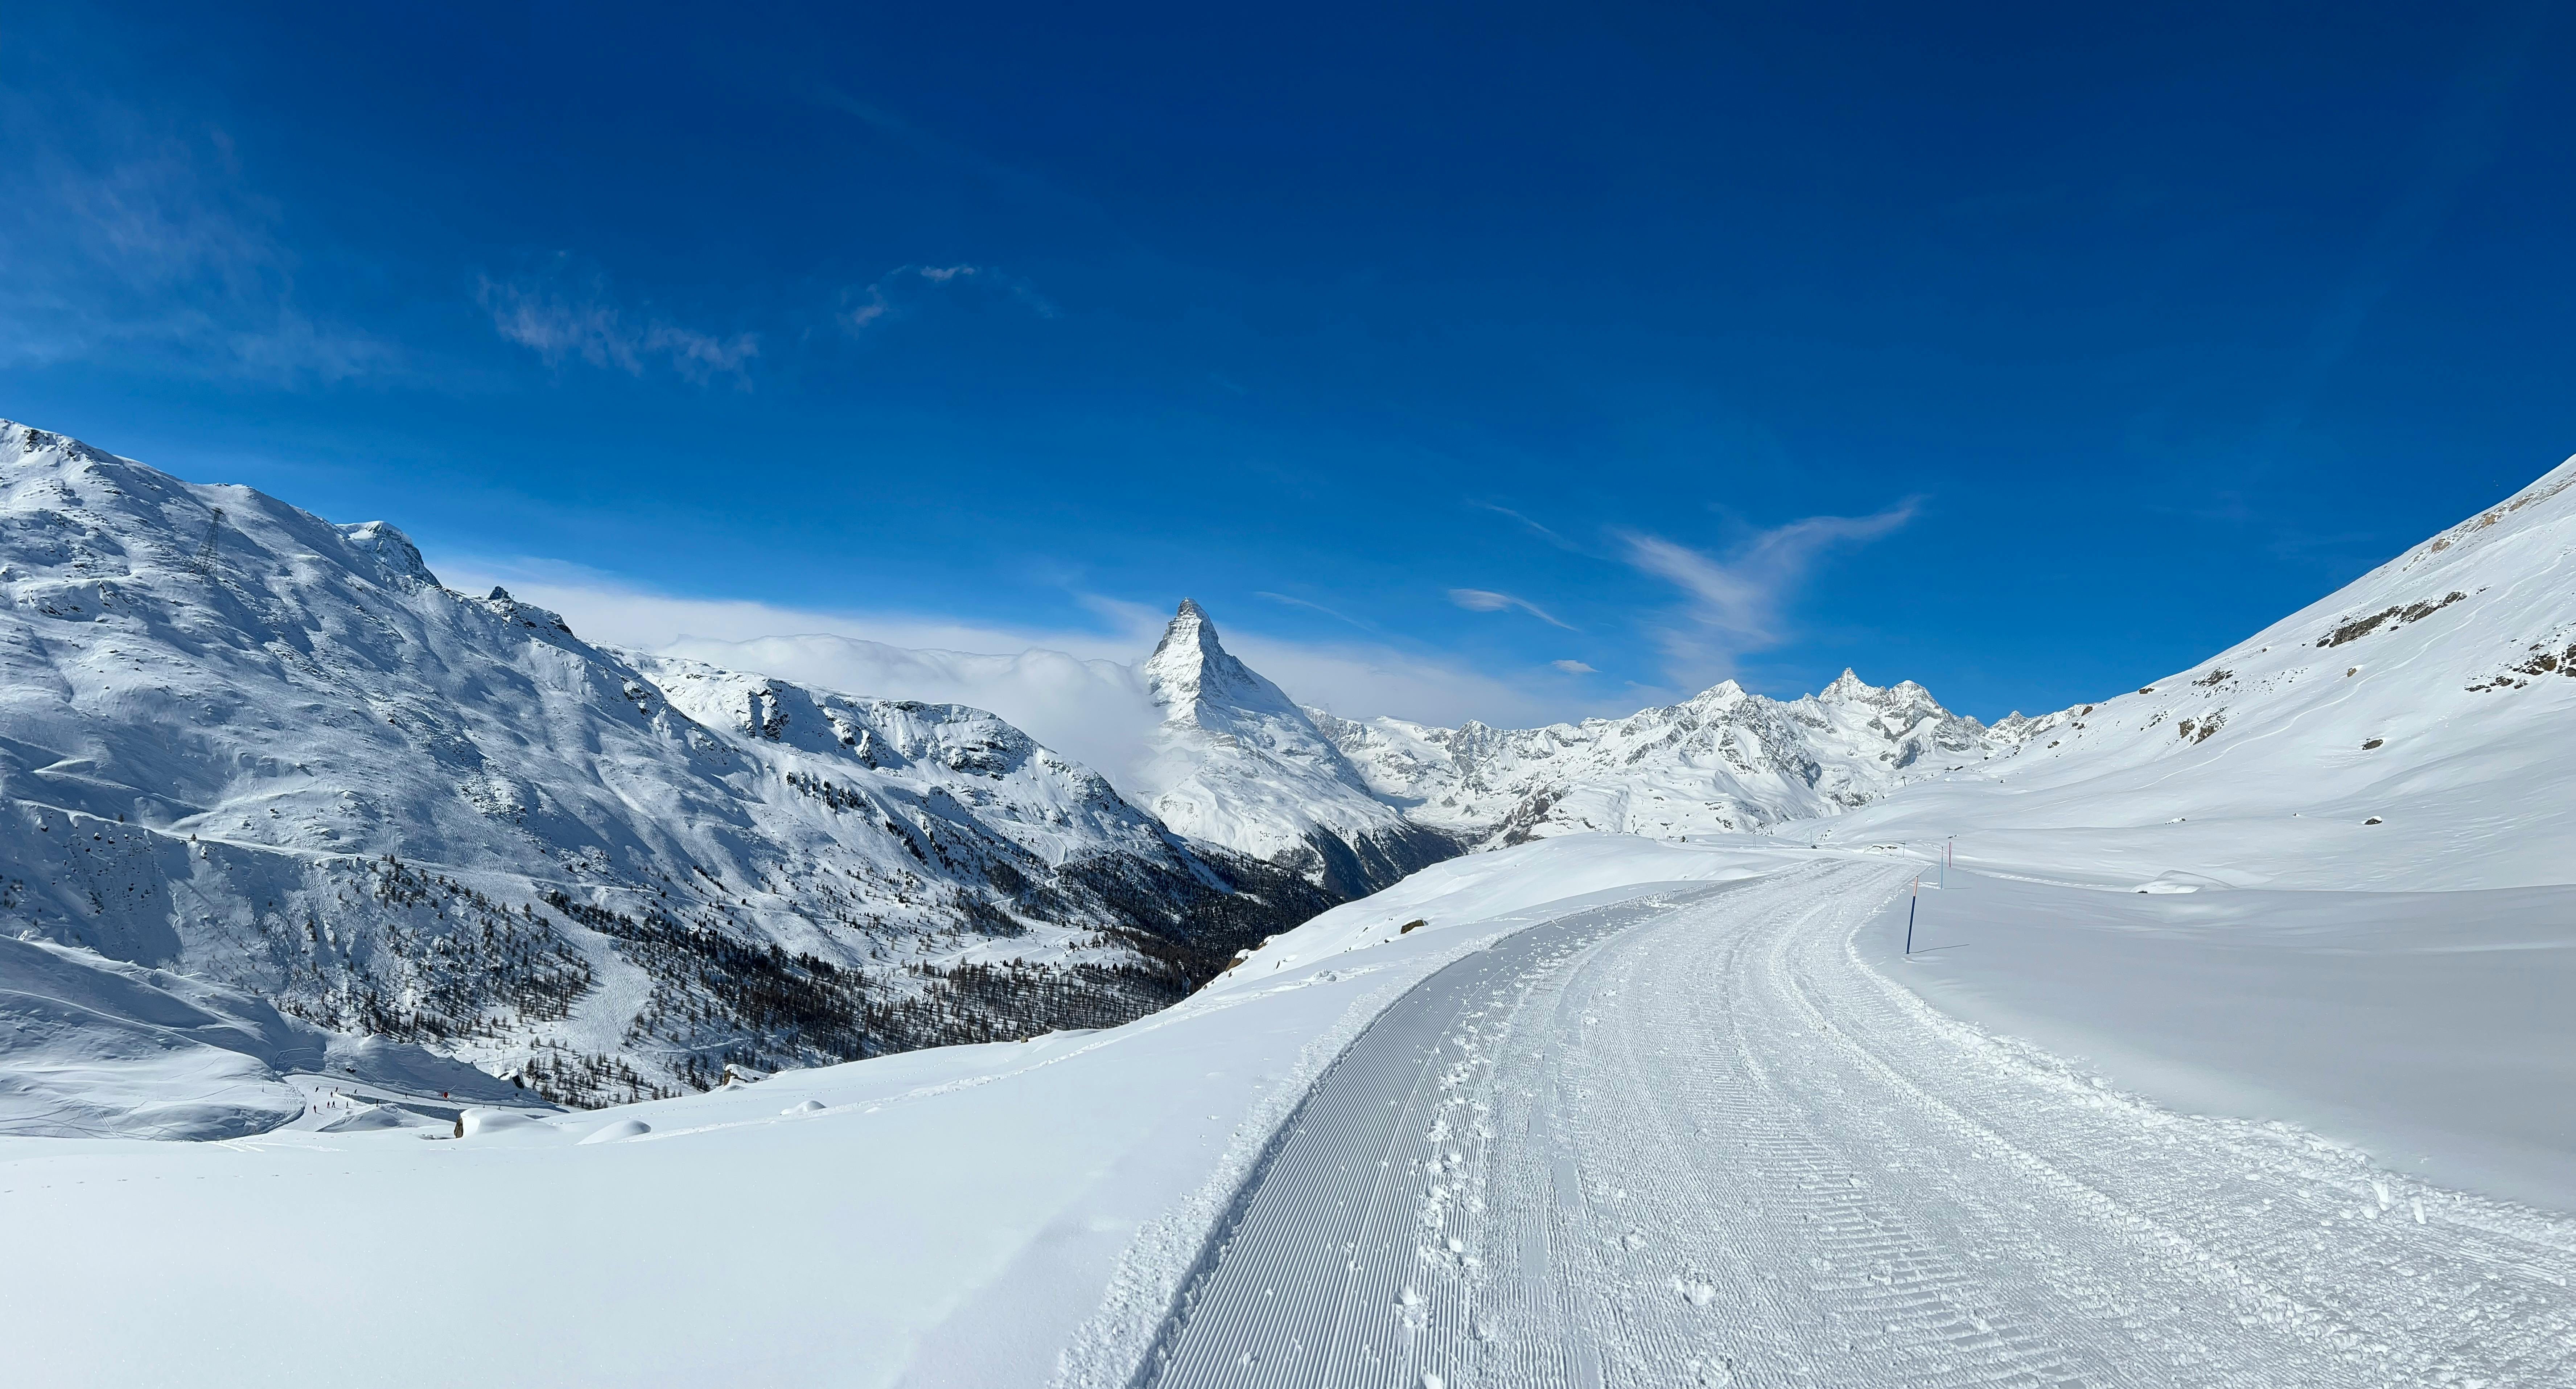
column 1726, row 760
column 1238, row 763
column 248, row 745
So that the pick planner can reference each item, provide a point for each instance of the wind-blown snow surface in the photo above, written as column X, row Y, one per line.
column 1693, row 1140
column 1700, row 1141
column 245, row 744
column 2428, row 1029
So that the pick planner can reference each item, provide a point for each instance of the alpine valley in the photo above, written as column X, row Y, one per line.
column 274, row 758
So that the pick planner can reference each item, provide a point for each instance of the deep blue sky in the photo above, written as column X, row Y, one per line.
column 2131, row 330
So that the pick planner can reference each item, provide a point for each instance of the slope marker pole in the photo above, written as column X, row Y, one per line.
column 1909, row 913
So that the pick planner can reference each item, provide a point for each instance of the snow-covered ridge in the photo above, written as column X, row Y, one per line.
column 2433, row 683
column 2395, row 730
column 2303, row 1091
column 1242, row 764
column 1724, row 761
column 1231, row 759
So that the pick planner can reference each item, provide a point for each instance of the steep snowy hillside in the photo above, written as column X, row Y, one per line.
column 1238, row 763
column 1724, row 761
column 2400, row 730
column 241, row 742
column 98, row 1048
column 1093, row 711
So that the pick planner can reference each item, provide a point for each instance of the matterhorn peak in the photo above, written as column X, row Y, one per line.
column 1192, row 676
column 1239, row 764
column 1189, row 634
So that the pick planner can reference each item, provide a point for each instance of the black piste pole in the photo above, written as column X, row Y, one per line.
column 1909, row 913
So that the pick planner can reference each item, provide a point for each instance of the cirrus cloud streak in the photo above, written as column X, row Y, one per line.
column 1736, row 602
column 1484, row 600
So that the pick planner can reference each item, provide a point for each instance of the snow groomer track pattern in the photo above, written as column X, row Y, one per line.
column 1695, row 1140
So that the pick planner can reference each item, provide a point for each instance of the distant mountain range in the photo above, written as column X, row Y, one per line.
column 1352, row 804
column 275, row 755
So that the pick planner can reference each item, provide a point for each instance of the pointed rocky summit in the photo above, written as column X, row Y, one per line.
column 1238, row 763
column 1197, row 681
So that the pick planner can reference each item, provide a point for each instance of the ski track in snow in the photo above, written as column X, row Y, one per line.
column 1700, row 1142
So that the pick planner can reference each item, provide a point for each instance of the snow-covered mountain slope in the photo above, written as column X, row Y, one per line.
column 1238, row 763
column 244, row 743
column 1726, row 760
column 97, row 1048
column 987, row 780
column 2409, row 728
column 1093, row 711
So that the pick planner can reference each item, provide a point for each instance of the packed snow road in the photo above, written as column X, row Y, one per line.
column 1695, row 1140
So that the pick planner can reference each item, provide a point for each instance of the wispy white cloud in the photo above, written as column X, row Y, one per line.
column 1485, row 600
column 123, row 238
column 1551, row 537
column 1574, row 667
column 1366, row 679
column 1736, row 602
column 564, row 313
column 901, row 290
column 618, row 611
column 1312, row 606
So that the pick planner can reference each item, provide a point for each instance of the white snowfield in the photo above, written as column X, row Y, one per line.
column 2434, row 695
column 2429, row 1029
